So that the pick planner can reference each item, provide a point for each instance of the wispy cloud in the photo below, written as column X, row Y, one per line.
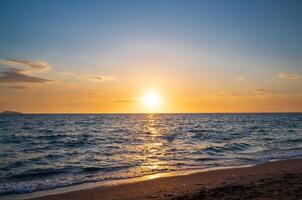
column 95, row 78
column 20, row 87
column 14, row 75
column 32, row 66
column 241, row 78
column 288, row 76
column 98, row 78
column 260, row 91
column 124, row 101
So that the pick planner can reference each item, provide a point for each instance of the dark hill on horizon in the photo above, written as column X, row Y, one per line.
column 10, row 113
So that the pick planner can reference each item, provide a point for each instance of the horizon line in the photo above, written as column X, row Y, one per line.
column 143, row 113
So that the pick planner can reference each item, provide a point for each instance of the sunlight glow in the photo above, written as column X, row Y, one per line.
column 151, row 99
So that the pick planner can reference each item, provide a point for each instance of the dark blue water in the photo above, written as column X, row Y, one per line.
column 39, row 152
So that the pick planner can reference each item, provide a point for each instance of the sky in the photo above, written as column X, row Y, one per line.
column 71, row 56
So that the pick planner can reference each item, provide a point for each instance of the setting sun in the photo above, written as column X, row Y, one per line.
column 151, row 99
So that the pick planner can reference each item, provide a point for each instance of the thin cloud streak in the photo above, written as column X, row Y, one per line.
column 260, row 91
column 20, row 87
column 98, row 78
column 288, row 76
column 241, row 79
column 124, row 101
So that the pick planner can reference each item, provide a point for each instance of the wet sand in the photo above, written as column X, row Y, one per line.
column 271, row 180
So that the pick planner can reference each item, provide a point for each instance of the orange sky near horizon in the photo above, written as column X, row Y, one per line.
column 116, row 96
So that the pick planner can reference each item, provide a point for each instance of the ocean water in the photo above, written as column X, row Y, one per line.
column 41, row 152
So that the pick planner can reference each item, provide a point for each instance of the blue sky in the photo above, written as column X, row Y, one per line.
column 254, row 28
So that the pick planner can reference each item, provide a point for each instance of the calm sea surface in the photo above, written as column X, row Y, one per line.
column 39, row 152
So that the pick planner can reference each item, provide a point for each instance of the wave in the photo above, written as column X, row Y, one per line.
column 39, row 152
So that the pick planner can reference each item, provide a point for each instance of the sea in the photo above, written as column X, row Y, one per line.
column 47, row 151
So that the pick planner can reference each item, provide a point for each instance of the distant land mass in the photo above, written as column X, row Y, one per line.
column 10, row 113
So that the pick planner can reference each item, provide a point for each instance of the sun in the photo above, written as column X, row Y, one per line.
column 151, row 99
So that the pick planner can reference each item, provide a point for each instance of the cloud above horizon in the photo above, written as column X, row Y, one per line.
column 260, row 91
column 16, row 75
column 20, row 87
column 124, row 101
column 98, row 78
column 288, row 76
column 241, row 78
column 33, row 66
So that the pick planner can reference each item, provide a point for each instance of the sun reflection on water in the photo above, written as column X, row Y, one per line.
column 153, row 150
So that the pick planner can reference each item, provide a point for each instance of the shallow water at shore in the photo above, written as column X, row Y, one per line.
column 40, row 152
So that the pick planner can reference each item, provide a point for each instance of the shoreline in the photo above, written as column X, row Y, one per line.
column 172, row 185
column 110, row 183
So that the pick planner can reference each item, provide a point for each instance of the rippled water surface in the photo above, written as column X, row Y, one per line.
column 39, row 152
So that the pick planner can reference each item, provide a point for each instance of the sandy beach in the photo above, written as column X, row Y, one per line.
column 271, row 180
